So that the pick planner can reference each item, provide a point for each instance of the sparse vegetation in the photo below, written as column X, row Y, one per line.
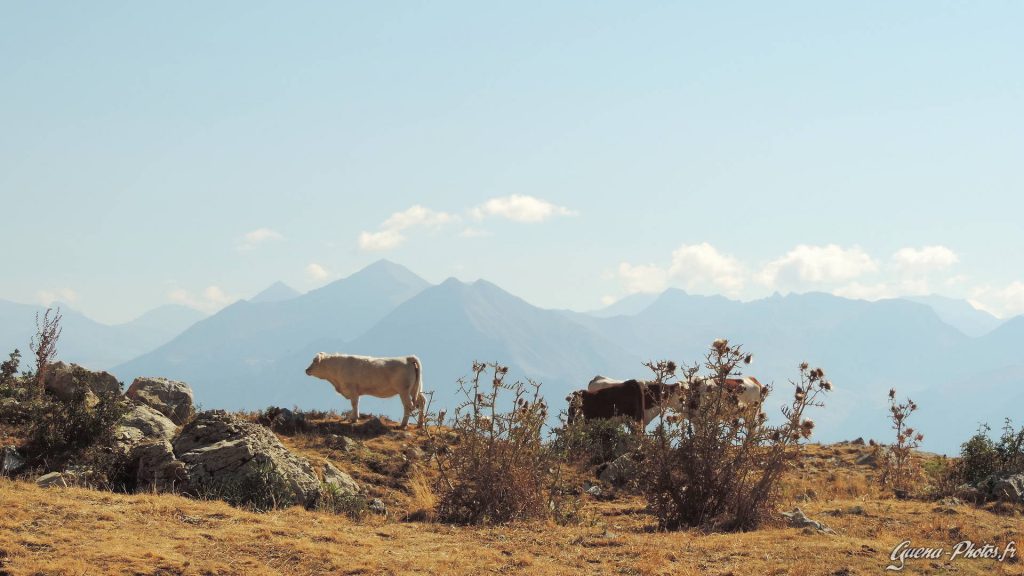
column 500, row 469
column 44, row 343
column 981, row 457
column 721, row 469
column 900, row 471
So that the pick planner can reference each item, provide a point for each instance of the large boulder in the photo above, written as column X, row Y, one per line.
column 66, row 381
column 140, row 424
column 171, row 398
column 242, row 462
column 1005, row 488
column 156, row 467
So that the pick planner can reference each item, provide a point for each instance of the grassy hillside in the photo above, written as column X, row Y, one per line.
column 81, row 531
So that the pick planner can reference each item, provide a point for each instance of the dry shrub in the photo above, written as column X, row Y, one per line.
column 720, row 469
column 499, row 468
column 900, row 470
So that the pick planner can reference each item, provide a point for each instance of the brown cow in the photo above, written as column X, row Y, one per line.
column 635, row 399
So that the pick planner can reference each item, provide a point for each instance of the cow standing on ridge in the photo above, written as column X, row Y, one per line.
column 353, row 376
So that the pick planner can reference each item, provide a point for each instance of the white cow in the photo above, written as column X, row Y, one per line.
column 353, row 376
column 748, row 391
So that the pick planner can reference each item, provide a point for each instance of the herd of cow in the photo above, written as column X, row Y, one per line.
column 639, row 400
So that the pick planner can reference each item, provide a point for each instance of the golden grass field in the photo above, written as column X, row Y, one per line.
column 80, row 531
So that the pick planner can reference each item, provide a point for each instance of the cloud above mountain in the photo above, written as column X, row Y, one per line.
column 392, row 233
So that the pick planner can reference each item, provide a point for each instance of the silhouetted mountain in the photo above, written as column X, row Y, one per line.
column 960, row 314
column 276, row 292
column 627, row 306
column 90, row 343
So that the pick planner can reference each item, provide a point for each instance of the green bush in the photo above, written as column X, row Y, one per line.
column 981, row 457
column 335, row 500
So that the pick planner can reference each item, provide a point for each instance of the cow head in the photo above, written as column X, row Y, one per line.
column 314, row 364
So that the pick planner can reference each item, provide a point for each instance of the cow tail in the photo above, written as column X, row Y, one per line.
column 419, row 400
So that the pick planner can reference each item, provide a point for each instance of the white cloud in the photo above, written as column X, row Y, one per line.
column 383, row 240
column 608, row 300
column 1003, row 302
column 252, row 239
column 316, row 271
column 701, row 266
column 211, row 299
column 471, row 232
column 815, row 265
column 60, row 295
column 924, row 260
column 520, row 208
column 643, row 278
column 390, row 234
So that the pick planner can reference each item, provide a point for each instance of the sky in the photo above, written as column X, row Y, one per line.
column 572, row 153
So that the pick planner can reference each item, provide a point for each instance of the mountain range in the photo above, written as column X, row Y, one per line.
column 960, row 365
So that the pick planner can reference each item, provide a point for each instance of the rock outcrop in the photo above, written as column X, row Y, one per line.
column 66, row 381
column 171, row 398
column 242, row 462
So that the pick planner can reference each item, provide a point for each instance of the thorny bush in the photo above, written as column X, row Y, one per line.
column 718, row 466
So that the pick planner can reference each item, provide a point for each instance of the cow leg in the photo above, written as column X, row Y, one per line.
column 407, row 408
column 355, row 409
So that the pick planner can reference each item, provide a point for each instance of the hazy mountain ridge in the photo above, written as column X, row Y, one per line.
column 91, row 343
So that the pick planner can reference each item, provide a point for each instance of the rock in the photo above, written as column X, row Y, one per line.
column 620, row 471
column 171, row 398
column 224, row 453
column 594, row 491
column 869, row 458
column 52, row 480
column 156, row 468
column 858, row 442
column 377, row 507
column 284, row 421
column 1008, row 488
column 66, row 381
column 140, row 424
column 343, row 443
column 373, row 427
column 413, row 453
column 340, row 480
column 969, row 493
column 797, row 519
column 10, row 461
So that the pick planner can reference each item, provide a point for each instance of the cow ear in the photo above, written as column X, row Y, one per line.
column 320, row 356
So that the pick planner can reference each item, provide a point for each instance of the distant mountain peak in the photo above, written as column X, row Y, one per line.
column 276, row 292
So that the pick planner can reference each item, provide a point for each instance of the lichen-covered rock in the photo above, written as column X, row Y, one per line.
column 52, row 480
column 242, row 462
column 66, row 381
column 620, row 471
column 156, row 467
column 171, row 398
column 140, row 424
column 339, row 480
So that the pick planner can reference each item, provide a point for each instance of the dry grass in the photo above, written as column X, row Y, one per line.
column 78, row 531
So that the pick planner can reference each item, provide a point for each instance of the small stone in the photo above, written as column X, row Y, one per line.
column 377, row 507
column 10, row 461
column 52, row 480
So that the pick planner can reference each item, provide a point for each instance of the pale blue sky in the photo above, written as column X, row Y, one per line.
column 140, row 143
